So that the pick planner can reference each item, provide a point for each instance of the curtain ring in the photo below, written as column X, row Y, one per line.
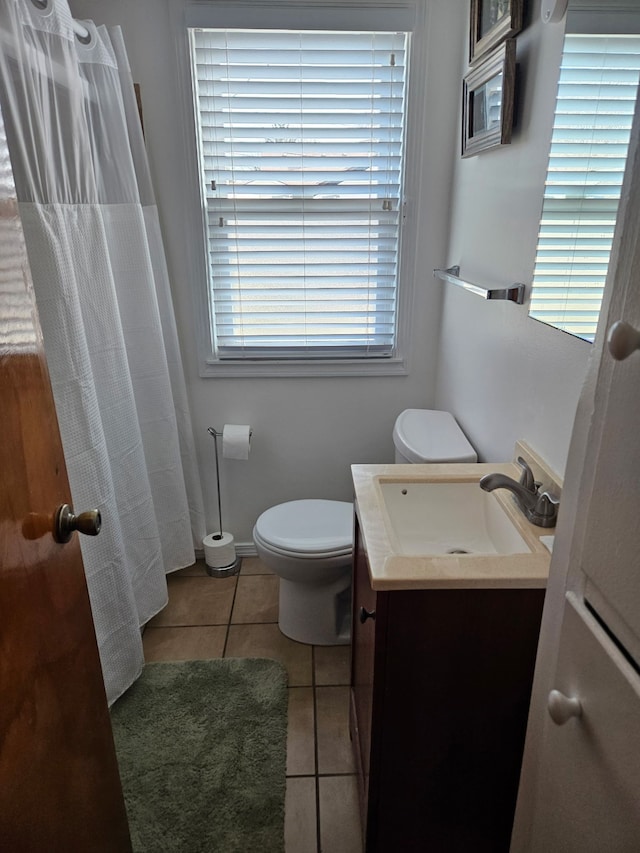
column 83, row 39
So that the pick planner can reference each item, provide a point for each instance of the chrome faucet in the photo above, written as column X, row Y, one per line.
column 539, row 508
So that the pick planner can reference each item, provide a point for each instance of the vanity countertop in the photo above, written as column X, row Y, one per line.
column 390, row 570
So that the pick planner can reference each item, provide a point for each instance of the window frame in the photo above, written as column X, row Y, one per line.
column 302, row 14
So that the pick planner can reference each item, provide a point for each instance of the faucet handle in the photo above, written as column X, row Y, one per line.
column 546, row 510
column 547, row 499
column 526, row 478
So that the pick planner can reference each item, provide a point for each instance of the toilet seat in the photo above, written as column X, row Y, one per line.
column 307, row 528
column 307, row 556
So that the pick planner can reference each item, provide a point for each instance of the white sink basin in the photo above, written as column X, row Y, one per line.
column 448, row 518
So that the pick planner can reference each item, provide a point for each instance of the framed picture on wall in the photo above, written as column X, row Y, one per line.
column 492, row 21
column 488, row 95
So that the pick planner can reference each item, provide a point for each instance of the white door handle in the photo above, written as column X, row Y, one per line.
column 622, row 340
column 561, row 708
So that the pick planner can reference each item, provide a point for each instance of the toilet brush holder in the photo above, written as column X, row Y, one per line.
column 219, row 548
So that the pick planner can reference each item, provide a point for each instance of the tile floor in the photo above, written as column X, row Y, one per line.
column 237, row 617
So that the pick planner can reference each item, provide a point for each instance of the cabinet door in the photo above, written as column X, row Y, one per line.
column 612, row 539
column 363, row 654
column 589, row 795
column 611, row 549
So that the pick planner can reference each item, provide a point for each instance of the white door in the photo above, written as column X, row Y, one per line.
column 589, row 800
column 587, row 796
column 611, row 554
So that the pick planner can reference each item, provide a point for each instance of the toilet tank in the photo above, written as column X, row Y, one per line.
column 427, row 435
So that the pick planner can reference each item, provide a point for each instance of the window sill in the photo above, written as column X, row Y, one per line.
column 212, row 368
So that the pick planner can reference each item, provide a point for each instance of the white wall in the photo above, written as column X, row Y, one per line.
column 307, row 432
column 504, row 375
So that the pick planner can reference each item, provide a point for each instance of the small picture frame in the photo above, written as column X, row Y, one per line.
column 488, row 95
column 491, row 22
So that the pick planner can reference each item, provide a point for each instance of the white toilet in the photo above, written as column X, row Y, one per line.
column 309, row 543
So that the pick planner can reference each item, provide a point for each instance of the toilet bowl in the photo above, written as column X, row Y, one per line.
column 309, row 543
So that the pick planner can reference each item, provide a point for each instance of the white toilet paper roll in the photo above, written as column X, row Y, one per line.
column 219, row 550
column 236, row 441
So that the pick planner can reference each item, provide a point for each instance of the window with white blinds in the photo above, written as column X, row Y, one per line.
column 594, row 112
column 301, row 158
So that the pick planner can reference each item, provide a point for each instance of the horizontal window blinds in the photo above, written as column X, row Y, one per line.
column 301, row 150
column 594, row 111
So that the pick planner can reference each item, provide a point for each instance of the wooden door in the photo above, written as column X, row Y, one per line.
column 59, row 783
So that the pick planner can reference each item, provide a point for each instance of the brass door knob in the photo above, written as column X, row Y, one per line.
column 66, row 522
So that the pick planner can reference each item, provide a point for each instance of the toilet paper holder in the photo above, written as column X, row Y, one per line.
column 235, row 566
column 216, row 435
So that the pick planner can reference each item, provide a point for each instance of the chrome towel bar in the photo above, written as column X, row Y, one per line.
column 514, row 293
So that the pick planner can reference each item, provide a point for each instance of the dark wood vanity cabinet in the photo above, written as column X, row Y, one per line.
column 440, row 689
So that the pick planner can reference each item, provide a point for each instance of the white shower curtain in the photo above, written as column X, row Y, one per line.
column 100, row 277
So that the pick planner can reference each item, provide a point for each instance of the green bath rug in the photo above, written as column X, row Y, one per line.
column 201, row 748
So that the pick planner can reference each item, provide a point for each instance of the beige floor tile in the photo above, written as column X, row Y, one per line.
column 301, row 753
column 339, row 816
column 335, row 753
column 197, row 601
column 332, row 664
column 197, row 570
column 266, row 641
column 200, row 643
column 256, row 599
column 300, row 832
column 254, row 566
